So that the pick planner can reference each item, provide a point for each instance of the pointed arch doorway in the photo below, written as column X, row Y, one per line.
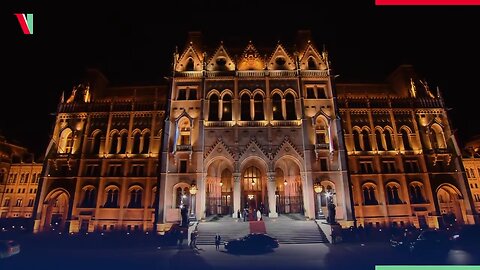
column 254, row 193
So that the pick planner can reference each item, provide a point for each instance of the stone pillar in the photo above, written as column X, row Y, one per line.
column 200, row 197
column 272, row 199
column 236, row 195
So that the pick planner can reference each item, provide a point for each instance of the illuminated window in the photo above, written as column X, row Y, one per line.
column 369, row 194
column 184, row 132
column 227, row 108
column 66, row 141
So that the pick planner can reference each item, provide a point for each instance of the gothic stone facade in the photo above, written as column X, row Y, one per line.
column 253, row 129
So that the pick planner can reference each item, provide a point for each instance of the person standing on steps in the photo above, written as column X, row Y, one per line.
column 218, row 239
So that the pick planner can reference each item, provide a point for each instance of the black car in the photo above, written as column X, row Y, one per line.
column 252, row 242
column 431, row 242
column 467, row 238
column 402, row 239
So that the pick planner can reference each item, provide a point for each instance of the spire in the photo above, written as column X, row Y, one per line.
column 439, row 94
column 62, row 98
column 413, row 88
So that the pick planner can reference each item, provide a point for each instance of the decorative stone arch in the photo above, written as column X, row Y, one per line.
column 291, row 91
column 258, row 91
column 226, row 92
column 136, row 141
column 245, row 91
column 66, row 140
column 135, row 195
column 111, row 195
column 213, row 92
column 437, row 137
column 184, row 127
column 388, row 140
column 276, row 91
column 451, row 204
column 406, row 133
column 56, row 206
column 123, row 141
column 88, row 196
column 219, row 186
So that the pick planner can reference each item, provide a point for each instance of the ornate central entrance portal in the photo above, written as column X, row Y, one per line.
column 254, row 192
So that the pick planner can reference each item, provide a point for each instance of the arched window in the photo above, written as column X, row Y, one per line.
column 66, row 141
column 416, row 194
column 378, row 138
column 181, row 197
column 356, row 140
column 184, row 132
column 190, row 65
column 438, row 138
column 123, row 143
column 277, row 107
column 366, row 141
column 245, row 110
column 88, row 197
column 227, row 108
column 135, row 198
column 252, row 179
column 136, row 143
column 114, row 143
column 392, row 194
column 388, row 139
column 146, row 142
column 258, row 106
column 406, row 140
column 369, row 197
column 290, row 106
column 112, row 197
column 213, row 113
column 311, row 63
column 96, row 143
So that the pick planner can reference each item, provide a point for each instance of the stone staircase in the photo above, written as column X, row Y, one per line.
column 227, row 227
column 288, row 229
column 294, row 229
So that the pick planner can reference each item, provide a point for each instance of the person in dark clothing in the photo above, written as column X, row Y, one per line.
column 218, row 239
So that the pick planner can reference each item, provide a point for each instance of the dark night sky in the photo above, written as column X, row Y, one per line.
column 133, row 43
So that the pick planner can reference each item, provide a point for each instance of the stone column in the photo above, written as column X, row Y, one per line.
column 272, row 199
column 236, row 195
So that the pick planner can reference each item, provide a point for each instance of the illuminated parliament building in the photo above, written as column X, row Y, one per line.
column 239, row 127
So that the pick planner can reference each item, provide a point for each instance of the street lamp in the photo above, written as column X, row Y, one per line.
column 193, row 190
column 318, row 188
column 287, row 202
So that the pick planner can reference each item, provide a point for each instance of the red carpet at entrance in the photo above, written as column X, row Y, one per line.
column 257, row 227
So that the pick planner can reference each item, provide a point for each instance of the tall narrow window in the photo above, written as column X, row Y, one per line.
column 321, row 93
column 321, row 132
column 112, row 198
column 123, row 143
column 405, row 140
column 438, row 137
column 182, row 94
column 184, row 133
column 311, row 63
column 136, row 143
column 258, row 106
column 378, row 138
column 290, row 106
column 114, row 143
column 388, row 140
column 245, row 110
column 183, row 166
column 190, row 65
column 366, row 141
column 88, row 197
column 146, row 142
column 96, row 143
column 277, row 107
column 213, row 114
column 227, row 108
column 310, row 92
column 356, row 140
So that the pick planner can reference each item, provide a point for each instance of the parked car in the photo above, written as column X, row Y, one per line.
column 431, row 242
column 8, row 248
column 402, row 239
column 252, row 242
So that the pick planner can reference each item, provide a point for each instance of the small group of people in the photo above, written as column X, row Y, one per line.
column 247, row 216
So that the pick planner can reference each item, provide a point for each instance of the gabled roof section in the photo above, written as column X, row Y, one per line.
column 221, row 60
column 254, row 147
column 220, row 148
column 189, row 53
column 281, row 60
column 286, row 147
column 311, row 52
column 251, row 59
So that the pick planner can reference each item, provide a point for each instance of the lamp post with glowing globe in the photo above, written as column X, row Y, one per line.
column 318, row 188
column 193, row 190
